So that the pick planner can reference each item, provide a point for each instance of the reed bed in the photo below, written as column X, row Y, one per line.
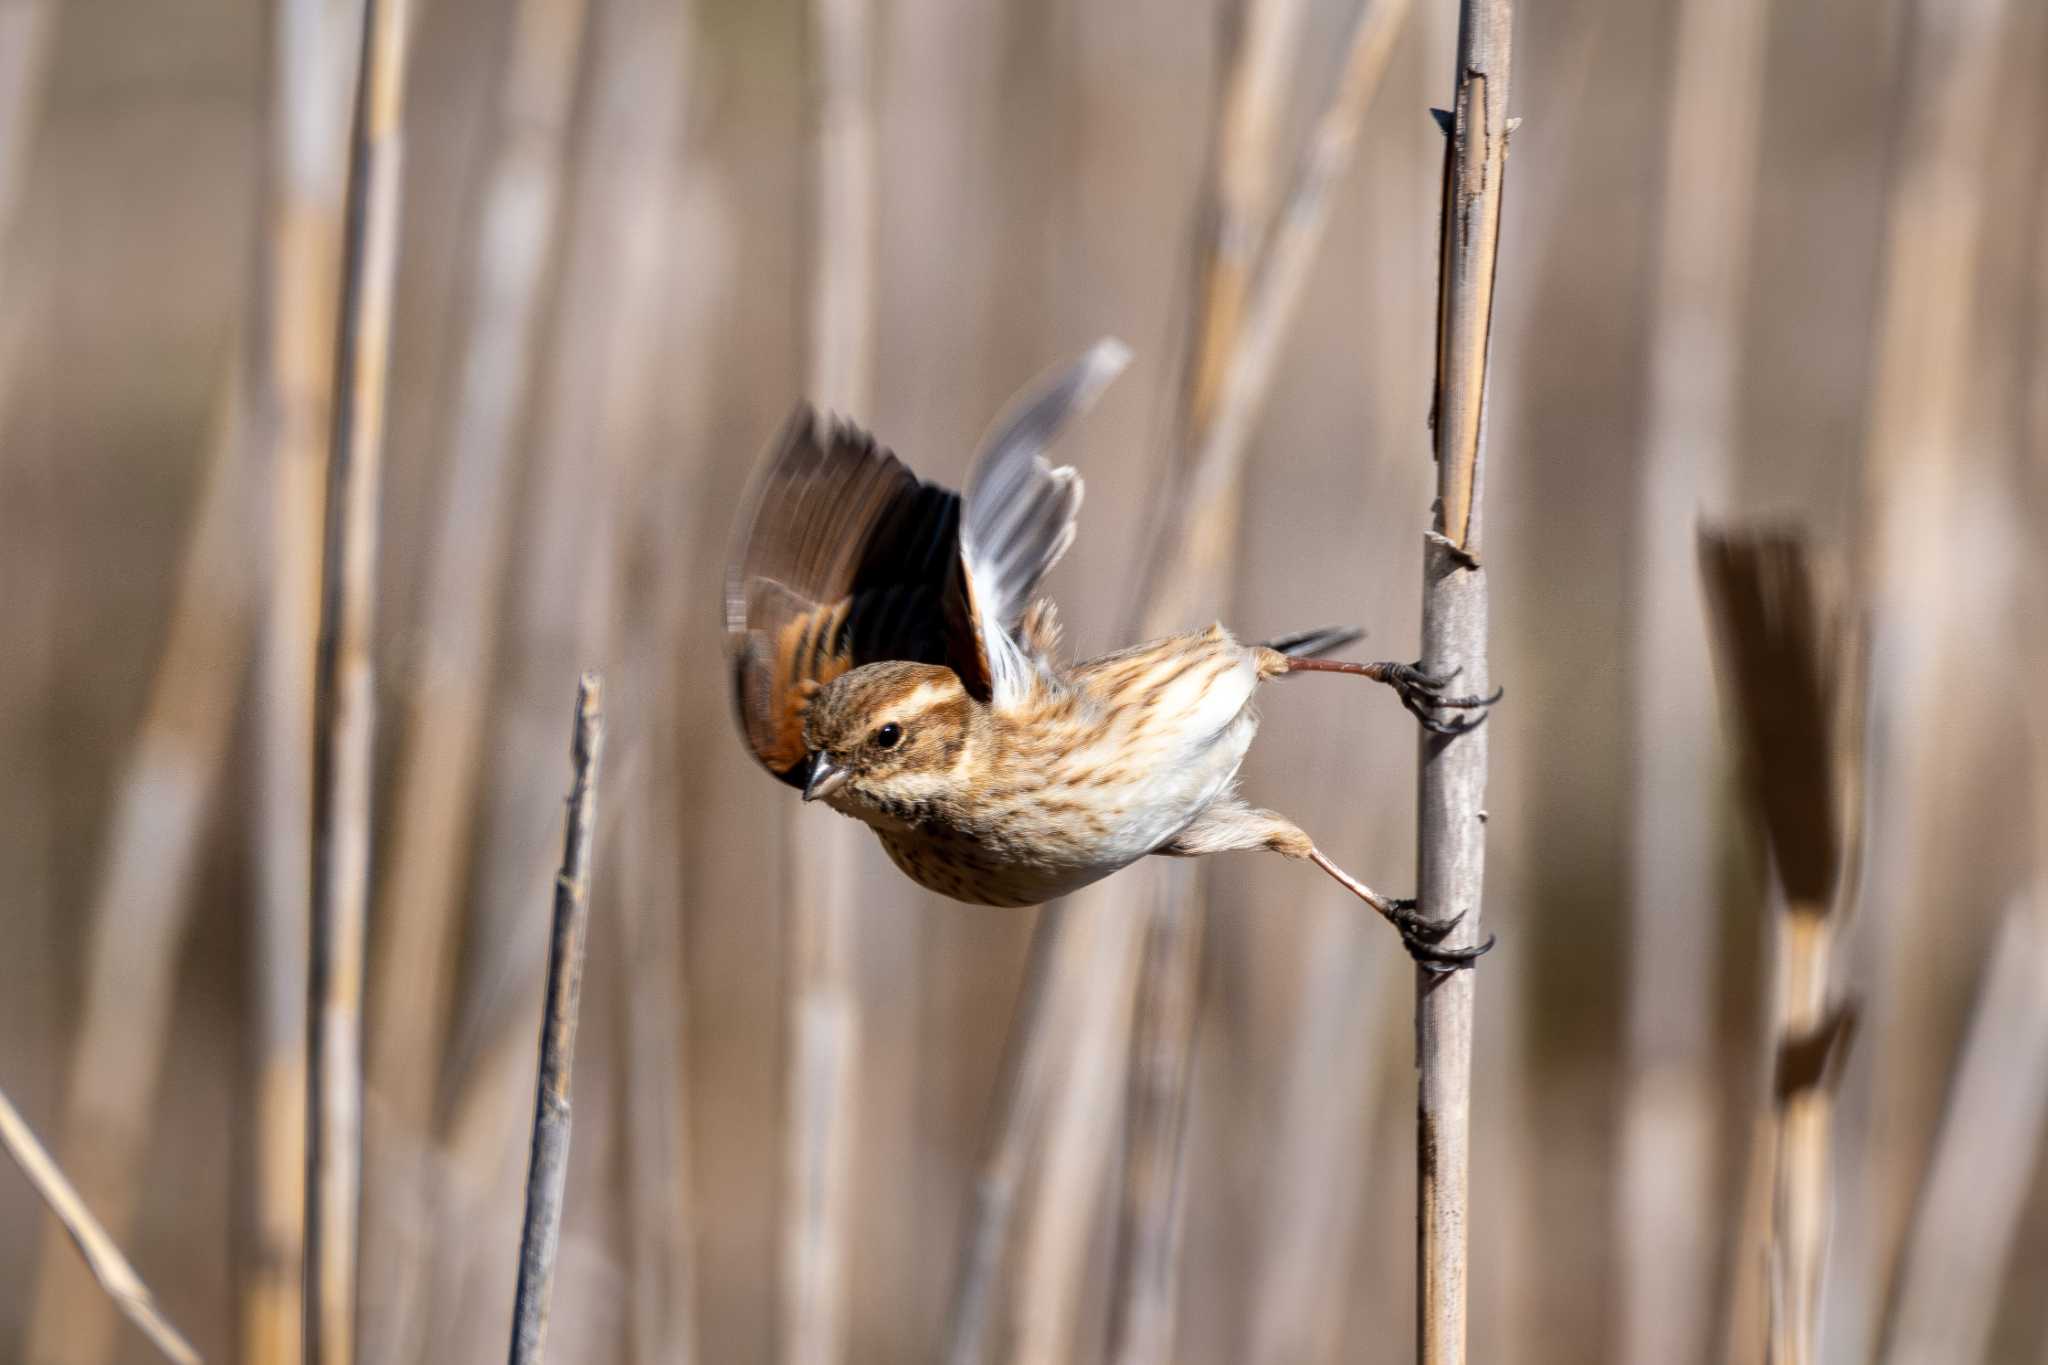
column 1765, row 265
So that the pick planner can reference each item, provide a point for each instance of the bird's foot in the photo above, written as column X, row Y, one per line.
column 1423, row 694
column 1423, row 938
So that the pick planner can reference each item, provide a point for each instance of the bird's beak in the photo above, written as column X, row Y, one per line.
column 825, row 779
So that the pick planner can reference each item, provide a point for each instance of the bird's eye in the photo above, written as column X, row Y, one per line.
column 889, row 735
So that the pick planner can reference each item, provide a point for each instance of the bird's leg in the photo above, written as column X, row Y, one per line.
column 1231, row 824
column 1420, row 936
column 1422, row 693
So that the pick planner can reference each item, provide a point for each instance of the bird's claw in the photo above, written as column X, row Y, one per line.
column 1423, row 695
column 1423, row 938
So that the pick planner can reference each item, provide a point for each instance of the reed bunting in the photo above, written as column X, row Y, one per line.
column 889, row 659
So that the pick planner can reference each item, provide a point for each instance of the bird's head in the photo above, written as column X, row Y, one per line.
column 887, row 739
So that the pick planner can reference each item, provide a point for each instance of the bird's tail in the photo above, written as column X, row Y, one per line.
column 1310, row 644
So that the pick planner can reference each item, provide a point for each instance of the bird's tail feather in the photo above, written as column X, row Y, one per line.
column 1310, row 644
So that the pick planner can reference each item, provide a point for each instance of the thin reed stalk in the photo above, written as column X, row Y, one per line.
column 345, row 729
column 662, row 1311
column 1451, row 840
column 141, row 901
column 1918, row 460
column 1191, row 567
column 26, row 30
column 1668, row 1148
column 562, row 603
column 1228, row 232
column 115, row 1275
column 1994, row 1126
column 292, row 389
column 547, row 1171
column 1230, row 371
column 1791, row 662
column 648, row 68
column 1991, row 1134
column 434, row 806
column 1017, row 1115
column 823, row 1048
column 1101, row 948
column 420, row 902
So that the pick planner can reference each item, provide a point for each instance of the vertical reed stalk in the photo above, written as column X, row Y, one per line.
column 1230, row 371
column 1917, row 456
column 419, row 906
column 1023, row 1091
column 26, row 29
column 823, row 1045
column 1669, row 1139
column 292, row 389
column 547, row 1171
column 1972, row 1205
column 434, row 801
column 346, row 718
column 648, row 67
column 1451, row 844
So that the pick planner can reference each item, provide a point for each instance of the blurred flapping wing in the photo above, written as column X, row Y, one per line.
column 1021, row 511
column 845, row 557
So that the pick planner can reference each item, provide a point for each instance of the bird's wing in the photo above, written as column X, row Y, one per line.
column 1020, row 512
column 844, row 557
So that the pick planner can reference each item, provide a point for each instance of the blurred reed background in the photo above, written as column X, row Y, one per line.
column 1779, row 266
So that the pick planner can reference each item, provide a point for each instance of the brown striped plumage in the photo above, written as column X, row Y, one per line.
column 890, row 658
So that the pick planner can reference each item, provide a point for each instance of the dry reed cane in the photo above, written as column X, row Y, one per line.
column 1670, row 1134
column 1451, row 842
column 1972, row 1205
column 1792, row 666
column 345, row 728
column 434, row 799
column 1228, row 233
column 1945, row 1303
column 1919, row 439
column 434, row 804
column 823, row 1047
column 292, row 389
column 105, row 1260
column 1230, row 373
column 642, row 61
column 548, row 1164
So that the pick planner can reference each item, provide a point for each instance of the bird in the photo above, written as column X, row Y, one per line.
column 891, row 658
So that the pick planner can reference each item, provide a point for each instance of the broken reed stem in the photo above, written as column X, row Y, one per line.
column 345, row 721
column 547, row 1170
column 822, row 1054
column 1791, row 662
column 1451, row 842
column 104, row 1258
column 312, row 71
column 135, row 923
